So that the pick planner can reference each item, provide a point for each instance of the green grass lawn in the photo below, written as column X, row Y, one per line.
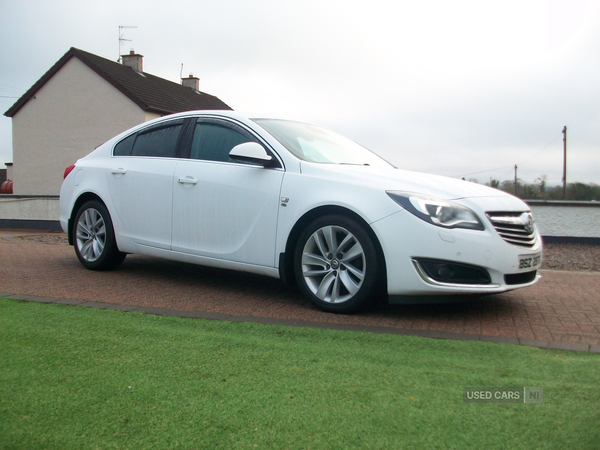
column 76, row 377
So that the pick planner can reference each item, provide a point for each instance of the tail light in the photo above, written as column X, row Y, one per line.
column 68, row 170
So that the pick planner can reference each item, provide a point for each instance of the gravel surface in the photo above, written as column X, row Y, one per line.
column 50, row 238
column 577, row 257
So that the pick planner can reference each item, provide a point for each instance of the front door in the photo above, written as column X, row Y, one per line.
column 224, row 209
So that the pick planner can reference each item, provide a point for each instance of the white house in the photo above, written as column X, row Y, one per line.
column 81, row 102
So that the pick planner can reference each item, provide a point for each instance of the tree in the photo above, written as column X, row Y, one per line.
column 528, row 191
column 541, row 182
column 579, row 191
column 494, row 183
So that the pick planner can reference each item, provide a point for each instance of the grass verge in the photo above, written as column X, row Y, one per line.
column 75, row 377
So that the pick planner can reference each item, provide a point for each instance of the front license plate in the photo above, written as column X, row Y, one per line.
column 530, row 262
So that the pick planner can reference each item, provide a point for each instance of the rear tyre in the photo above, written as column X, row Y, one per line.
column 336, row 265
column 94, row 238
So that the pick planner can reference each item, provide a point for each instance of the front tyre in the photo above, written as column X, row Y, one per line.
column 336, row 265
column 94, row 238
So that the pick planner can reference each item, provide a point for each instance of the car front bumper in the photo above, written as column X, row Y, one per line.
column 407, row 242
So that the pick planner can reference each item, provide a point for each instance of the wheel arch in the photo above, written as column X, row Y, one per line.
column 83, row 198
column 286, row 260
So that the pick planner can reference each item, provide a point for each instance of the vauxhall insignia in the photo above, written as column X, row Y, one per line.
column 528, row 222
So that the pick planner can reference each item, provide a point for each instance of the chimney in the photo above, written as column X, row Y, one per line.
column 191, row 82
column 9, row 171
column 133, row 60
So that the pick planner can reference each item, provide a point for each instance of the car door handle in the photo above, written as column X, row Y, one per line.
column 118, row 171
column 187, row 180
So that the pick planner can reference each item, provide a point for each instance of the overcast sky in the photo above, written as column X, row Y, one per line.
column 458, row 88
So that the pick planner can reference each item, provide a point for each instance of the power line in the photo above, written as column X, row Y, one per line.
column 482, row 171
column 10, row 89
column 542, row 150
column 509, row 169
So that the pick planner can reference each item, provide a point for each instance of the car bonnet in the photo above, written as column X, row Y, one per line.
column 401, row 180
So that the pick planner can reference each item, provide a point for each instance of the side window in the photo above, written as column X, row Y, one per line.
column 124, row 147
column 158, row 141
column 213, row 142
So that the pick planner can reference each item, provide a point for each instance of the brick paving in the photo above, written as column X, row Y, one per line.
column 561, row 311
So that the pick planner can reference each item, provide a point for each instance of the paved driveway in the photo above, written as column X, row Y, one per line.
column 560, row 311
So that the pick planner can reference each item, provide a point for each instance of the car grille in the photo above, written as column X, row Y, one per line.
column 514, row 227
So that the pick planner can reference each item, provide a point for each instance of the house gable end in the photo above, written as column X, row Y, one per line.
column 79, row 54
column 72, row 113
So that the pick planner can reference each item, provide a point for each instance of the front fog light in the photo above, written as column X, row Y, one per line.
column 445, row 272
column 452, row 272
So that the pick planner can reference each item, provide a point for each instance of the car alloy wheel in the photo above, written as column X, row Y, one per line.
column 94, row 239
column 336, row 264
column 333, row 264
column 90, row 235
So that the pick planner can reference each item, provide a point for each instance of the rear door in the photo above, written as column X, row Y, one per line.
column 141, row 182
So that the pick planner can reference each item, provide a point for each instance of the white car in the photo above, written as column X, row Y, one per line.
column 297, row 202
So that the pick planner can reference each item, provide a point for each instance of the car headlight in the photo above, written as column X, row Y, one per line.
column 437, row 211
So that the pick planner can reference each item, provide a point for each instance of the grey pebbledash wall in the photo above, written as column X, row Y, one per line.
column 556, row 220
column 567, row 221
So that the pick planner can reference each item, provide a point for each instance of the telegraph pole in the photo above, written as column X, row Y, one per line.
column 515, row 180
column 564, row 177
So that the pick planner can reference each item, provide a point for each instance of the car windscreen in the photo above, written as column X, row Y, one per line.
column 315, row 144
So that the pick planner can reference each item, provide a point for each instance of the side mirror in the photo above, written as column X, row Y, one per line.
column 251, row 152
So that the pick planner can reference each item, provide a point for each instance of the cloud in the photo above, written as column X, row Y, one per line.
column 446, row 87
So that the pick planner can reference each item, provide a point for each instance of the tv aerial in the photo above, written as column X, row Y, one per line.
column 122, row 39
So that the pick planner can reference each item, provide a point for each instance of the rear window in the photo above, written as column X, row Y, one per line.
column 124, row 147
column 156, row 141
